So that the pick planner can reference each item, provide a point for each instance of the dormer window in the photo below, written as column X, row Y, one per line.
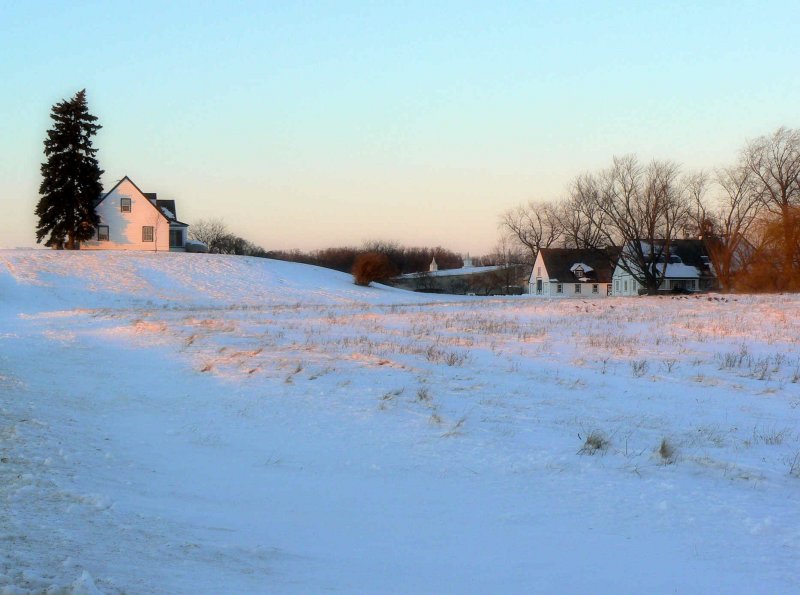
column 578, row 272
column 125, row 205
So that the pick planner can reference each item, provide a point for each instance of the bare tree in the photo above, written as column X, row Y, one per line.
column 533, row 226
column 212, row 232
column 157, row 221
column 508, row 257
column 728, row 221
column 580, row 217
column 697, row 185
column 640, row 208
column 775, row 163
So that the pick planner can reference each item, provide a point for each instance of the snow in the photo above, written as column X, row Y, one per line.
column 213, row 424
column 581, row 265
column 453, row 272
column 678, row 270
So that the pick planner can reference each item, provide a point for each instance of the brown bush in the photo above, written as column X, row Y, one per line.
column 372, row 266
column 775, row 263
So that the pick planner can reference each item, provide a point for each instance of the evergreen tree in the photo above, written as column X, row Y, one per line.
column 71, row 177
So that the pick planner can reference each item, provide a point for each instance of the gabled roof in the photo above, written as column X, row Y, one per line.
column 152, row 199
column 167, row 207
column 559, row 263
column 692, row 252
column 694, row 259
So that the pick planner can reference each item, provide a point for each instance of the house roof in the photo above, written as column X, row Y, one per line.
column 152, row 198
column 694, row 259
column 168, row 208
column 560, row 264
column 169, row 205
column 693, row 253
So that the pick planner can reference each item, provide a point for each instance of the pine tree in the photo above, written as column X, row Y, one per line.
column 71, row 177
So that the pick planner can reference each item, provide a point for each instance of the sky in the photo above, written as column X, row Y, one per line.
column 316, row 124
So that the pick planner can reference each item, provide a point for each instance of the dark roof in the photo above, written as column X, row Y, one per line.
column 559, row 261
column 151, row 196
column 169, row 205
column 691, row 252
column 694, row 253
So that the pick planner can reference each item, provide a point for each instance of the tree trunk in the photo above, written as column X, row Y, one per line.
column 788, row 244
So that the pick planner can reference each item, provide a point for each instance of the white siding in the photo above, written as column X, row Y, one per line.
column 568, row 290
column 125, row 229
column 550, row 286
column 538, row 273
column 623, row 284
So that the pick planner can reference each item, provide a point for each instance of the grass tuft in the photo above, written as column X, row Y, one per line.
column 667, row 452
column 596, row 442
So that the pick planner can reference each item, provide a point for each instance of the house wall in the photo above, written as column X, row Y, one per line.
column 125, row 229
column 568, row 290
column 550, row 287
column 623, row 284
column 539, row 272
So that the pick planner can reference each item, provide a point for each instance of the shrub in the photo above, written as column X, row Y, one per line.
column 596, row 442
column 666, row 451
column 639, row 368
column 371, row 266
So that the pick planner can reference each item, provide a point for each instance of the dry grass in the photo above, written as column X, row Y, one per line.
column 667, row 452
column 596, row 442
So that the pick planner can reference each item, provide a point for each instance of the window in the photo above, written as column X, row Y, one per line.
column 176, row 238
column 147, row 233
column 559, row 288
column 577, row 288
column 578, row 272
column 625, row 285
column 538, row 271
column 125, row 205
column 102, row 233
column 595, row 288
column 616, row 285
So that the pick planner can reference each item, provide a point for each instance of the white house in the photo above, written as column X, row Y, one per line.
column 686, row 268
column 568, row 272
column 134, row 220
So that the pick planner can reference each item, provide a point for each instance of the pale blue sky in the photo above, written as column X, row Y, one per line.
column 316, row 124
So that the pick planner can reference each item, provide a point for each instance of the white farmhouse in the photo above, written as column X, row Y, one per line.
column 687, row 268
column 569, row 272
column 134, row 220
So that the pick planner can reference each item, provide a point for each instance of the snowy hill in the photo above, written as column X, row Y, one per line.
column 210, row 424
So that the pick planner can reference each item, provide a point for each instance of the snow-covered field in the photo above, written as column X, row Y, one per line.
column 209, row 424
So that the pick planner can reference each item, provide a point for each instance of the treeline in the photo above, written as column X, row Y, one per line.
column 403, row 259
column 215, row 234
column 747, row 213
